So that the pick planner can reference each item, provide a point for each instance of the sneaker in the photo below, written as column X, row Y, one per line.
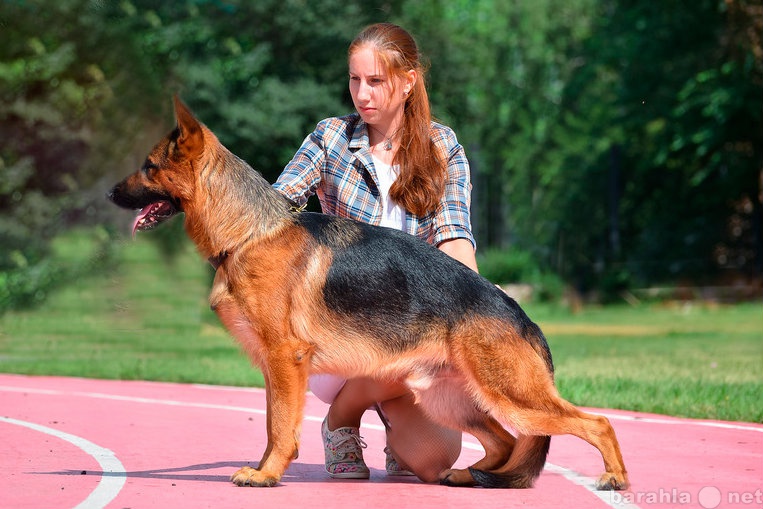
column 344, row 453
column 393, row 467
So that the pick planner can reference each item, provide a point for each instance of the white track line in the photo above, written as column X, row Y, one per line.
column 110, row 485
column 572, row 476
column 578, row 479
column 683, row 422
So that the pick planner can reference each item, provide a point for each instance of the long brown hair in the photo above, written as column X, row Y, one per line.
column 421, row 183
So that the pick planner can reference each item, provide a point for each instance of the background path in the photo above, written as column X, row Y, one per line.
column 70, row 442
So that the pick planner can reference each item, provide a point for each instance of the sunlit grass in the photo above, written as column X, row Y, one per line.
column 149, row 319
column 691, row 360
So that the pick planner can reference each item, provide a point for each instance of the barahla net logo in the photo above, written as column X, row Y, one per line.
column 708, row 497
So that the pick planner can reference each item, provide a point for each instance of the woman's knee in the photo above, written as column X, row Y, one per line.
column 419, row 444
column 428, row 467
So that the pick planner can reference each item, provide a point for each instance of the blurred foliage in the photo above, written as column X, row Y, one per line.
column 515, row 266
column 619, row 143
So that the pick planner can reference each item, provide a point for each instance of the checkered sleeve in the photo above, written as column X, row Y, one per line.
column 302, row 175
column 452, row 220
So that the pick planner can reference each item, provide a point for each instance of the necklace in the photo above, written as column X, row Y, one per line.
column 388, row 139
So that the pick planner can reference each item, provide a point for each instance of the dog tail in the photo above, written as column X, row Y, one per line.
column 524, row 466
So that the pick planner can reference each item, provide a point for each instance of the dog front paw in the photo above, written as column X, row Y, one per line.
column 248, row 476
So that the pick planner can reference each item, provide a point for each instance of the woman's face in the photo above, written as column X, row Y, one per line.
column 378, row 97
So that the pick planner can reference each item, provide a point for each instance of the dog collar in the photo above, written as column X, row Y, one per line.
column 218, row 259
column 296, row 209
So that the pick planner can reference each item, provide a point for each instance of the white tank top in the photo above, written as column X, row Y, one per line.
column 393, row 215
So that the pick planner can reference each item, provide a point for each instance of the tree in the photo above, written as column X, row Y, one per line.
column 686, row 112
column 500, row 75
column 86, row 88
column 618, row 142
column 59, row 125
column 260, row 74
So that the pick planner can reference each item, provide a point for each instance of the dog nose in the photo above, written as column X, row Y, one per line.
column 112, row 193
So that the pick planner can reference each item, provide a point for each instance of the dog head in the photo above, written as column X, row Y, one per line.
column 165, row 182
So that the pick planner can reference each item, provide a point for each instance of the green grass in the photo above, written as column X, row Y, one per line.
column 692, row 360
column 149, row 319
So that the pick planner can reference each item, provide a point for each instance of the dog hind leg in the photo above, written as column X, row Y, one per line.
column 498, row 445
column 511, row 379
column 594, row 429
column 522, row 468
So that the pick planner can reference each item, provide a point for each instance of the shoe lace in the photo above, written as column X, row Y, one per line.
column 350, row 443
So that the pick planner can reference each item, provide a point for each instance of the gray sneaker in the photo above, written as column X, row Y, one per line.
column 344, row 452
column 393, row 467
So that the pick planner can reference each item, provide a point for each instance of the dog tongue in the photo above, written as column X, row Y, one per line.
column 145, row 211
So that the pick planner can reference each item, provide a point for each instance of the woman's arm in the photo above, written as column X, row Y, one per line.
column 452, row 223
column 462, row 250
column 302, row 175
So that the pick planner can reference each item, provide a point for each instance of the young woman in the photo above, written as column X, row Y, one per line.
column 388, row 164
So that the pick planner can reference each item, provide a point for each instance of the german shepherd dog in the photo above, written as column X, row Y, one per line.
column 311, row 293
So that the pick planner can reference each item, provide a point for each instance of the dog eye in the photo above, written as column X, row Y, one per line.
column 148, row 166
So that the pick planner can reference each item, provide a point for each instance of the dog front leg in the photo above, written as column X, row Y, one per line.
column 238, row 325
column 286, row 379
column 268, row 420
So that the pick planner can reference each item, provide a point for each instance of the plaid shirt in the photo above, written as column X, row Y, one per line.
column 335, row 163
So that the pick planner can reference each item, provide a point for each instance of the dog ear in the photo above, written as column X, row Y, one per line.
column 190, row 141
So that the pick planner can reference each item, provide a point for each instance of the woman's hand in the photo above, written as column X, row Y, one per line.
column 462, row 250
